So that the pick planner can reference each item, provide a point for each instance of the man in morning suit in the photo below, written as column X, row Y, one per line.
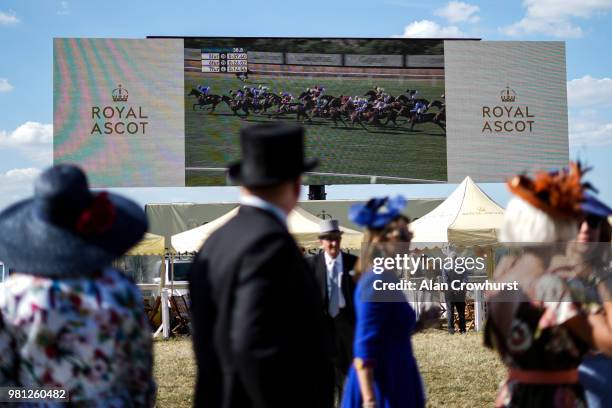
column 333, row 270
column 260, row 337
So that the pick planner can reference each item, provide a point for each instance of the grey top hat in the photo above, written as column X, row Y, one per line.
column 329, row 227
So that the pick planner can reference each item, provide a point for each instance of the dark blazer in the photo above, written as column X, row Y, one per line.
column 343, row 325
column 260, row 338
column 317, row 263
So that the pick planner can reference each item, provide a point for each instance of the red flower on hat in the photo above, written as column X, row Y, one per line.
column 51, row 351
column 98, row 218
column 76, row 300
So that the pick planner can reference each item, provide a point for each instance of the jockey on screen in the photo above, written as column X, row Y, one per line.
column 286, row 98
column 239, row 95
column 380, row 105
column 361, row 105
column 320, row 103
column 419, row 109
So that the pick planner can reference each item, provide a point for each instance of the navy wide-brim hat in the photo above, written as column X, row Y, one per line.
column 593, row 206
column 66, row 230
column 271, row 154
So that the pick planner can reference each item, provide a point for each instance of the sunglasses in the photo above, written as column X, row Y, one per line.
column 330, row 237
column 403, row 234
column 593, row 221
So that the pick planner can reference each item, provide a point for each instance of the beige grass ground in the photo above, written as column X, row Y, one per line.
column 458, row 371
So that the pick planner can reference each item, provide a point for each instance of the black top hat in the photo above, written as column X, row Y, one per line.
column 271, row 154
column 65, row 230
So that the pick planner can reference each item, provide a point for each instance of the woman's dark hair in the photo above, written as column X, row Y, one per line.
column 605, row 234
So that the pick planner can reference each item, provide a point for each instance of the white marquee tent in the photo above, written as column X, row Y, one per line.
column 302, row 225
column 468, row 217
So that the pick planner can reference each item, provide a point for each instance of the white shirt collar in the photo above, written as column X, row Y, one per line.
column 329, row 260
column 254, row 201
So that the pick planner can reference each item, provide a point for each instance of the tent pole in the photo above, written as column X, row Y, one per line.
column 491, row 262
column 172, row 275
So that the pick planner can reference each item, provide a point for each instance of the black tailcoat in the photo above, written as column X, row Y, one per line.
column 260, row 338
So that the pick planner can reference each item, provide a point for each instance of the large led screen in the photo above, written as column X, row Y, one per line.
column 168, row 111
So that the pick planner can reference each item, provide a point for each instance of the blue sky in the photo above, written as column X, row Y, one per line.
column 27, row 28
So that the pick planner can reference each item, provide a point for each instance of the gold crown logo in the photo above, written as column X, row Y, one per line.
column 120, row 94
column 508, row 95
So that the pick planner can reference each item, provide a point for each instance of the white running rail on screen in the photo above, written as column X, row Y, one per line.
column 373, row 179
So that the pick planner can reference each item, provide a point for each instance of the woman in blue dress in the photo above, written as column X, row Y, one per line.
column 384, row 373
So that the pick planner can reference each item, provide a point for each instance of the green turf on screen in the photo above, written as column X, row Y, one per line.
column 212, row 138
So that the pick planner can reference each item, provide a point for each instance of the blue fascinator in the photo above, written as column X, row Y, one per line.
column 592, row 206
column 377, row 212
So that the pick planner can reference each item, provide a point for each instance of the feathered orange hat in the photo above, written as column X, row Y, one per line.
column 558, row 193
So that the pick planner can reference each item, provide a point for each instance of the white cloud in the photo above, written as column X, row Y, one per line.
column 560, row 29
column 430, row 29
column 554, row 17
column 458, row 11
column 64, row 9
column 590, row 133
column 21, row 175
column 589, row 103
column 560, row 9
column 34, row 139
column 589, row 92
column 8, row 18
column 30, row 133
column 5, row 86
column 17, row 184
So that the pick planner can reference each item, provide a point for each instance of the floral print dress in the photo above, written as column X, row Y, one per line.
column 89, row 336
column 539, row 341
